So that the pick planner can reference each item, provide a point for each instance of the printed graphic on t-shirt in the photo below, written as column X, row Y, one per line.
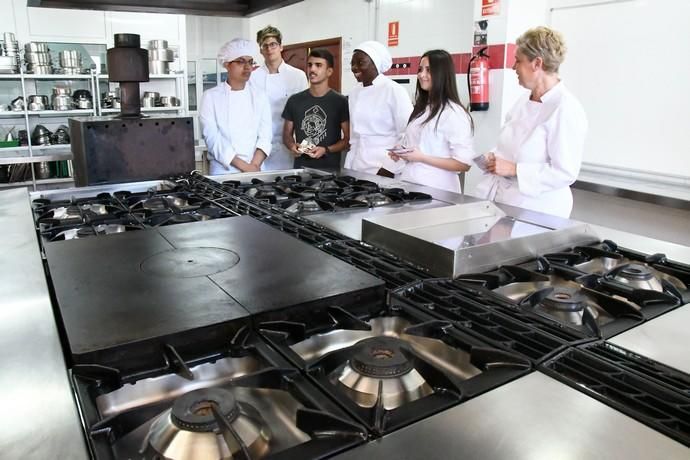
column 314, row 124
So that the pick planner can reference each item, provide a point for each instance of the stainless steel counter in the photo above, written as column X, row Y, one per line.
column 532, row 418
column 665, row 339
column 40, row 417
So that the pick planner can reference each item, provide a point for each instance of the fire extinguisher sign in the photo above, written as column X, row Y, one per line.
column 491, row 7
column 393, row 33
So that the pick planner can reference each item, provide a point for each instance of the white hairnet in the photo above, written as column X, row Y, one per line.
column 237, row 48
column 378, row 53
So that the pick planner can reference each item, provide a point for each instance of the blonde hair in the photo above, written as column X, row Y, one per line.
column 543, row 42
column 267, row 32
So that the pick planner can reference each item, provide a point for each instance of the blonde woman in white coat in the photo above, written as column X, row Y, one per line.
column 438, row 137
column 540, row 147
column 379, row 110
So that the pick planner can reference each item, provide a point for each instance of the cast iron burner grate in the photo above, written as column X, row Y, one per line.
column 662, row 374
column 508, row 328
column 649, row 280
column 557, row 293
column 384, row 265
column 389, row 366
column 244, row 402
column 649, row 402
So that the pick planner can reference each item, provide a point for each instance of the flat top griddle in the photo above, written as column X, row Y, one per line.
column 185, row 285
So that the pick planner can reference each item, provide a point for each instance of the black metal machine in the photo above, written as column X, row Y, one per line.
column 130, row 146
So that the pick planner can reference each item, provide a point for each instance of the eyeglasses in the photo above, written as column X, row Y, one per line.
column 270, row 46
column 243, row 62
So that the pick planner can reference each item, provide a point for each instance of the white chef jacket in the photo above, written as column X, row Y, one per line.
column 546, row 142
column 234, row 123
column 278, row 87
column 378, row 117
column 450, row 138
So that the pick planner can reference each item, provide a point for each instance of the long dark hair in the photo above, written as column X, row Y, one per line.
column 443, row 87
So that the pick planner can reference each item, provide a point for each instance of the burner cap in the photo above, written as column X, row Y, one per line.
column 192, row 411
column 635, row 272
column 566, row 299
column 380, row 357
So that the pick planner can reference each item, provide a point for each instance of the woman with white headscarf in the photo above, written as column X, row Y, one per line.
column 379, row 110
column 236, row 117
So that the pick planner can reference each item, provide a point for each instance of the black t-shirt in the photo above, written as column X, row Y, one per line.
column 317, row 119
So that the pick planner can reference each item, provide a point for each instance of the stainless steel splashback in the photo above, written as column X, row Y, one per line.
column 469, row 237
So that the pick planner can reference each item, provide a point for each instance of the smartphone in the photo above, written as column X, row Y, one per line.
column 400, row 151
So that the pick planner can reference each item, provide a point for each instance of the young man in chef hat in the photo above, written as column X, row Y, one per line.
column 235, row 117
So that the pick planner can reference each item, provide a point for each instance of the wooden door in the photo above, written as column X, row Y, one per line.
column 296, row 55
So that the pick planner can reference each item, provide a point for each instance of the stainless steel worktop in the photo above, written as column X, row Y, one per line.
column 532, row 418
column 665, row 339
column 41, row 419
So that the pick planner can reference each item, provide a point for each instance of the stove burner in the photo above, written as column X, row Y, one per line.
column 210, row 424
column 380, row 357
column 638, row 276
column 636, row 272
column 380, row 372
column 193, row 412
column 565, row 299
column 569, row 304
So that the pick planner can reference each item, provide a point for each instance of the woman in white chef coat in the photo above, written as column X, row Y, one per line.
column 540, row 147
column 439, row 134
column 379, row 110
column 278, row 80
column 235, row 117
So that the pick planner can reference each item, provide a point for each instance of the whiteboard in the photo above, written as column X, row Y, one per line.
column 628, row 64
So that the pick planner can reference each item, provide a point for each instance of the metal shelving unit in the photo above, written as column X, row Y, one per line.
column 31, row 154
column 178, row 78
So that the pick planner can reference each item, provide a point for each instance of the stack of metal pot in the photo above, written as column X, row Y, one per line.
column 9, row 54
column 160, row 57
column 37, row 58
column 62, row 99
column 70, row 62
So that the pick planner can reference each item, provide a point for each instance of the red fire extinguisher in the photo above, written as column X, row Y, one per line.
column 478, row 81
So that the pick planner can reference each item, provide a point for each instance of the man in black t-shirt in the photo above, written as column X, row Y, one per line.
column 317, row 121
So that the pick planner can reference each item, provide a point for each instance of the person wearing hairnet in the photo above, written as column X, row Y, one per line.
column 235, row 117
column 278, row 80
column 379, row 111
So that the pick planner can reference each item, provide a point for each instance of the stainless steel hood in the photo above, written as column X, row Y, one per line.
column 236, row 8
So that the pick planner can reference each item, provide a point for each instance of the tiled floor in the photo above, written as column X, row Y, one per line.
column 654, row 221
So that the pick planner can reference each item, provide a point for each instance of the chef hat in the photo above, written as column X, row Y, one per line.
column 236, row 48
column 378, row 53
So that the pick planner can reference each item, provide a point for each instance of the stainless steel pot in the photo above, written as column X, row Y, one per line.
column 38, row 58
column 161, row 55
column 62, row 102
column 158, row 44
column 84, row 104
column 39, row 69
column 36, row 107
column 152, row 94
column 42, row 170
column 40, row 98
column 36, row 47
column 158, row 67
column 169, row 101
column 148, row 102
column 61, row 91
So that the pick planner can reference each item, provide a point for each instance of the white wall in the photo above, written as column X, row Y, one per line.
column 206, row 34
column 628, row 64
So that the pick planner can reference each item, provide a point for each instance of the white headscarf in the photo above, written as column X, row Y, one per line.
column 378, row 53
column 237, row 48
